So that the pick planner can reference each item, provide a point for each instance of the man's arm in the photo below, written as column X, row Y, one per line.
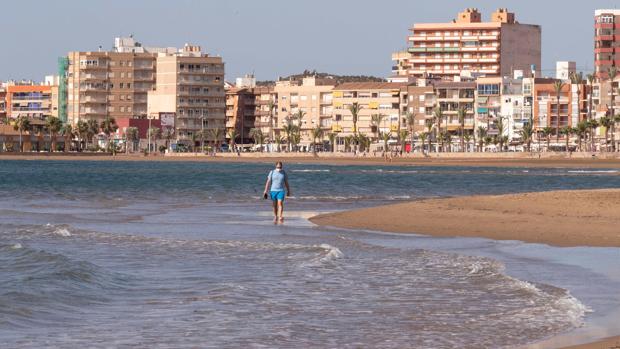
column 288, row 189
column 267, row 185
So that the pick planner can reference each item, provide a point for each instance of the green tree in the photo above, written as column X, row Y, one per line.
column 108, row 127
column 22, row 124
column 567, row 131
column 606, row 122
column 527, row 132
column 558, row 85
column 131, row 137
column 547, row 132
column 153, row 134
column 438, row 117
column 271, row 105
column 317, row 133
column 376, row 120
column 332, row 141
column 422, row 137
column 216, row 137
column 258, row 136
column 462, row 114
column 53, row 125
column 410, row 120
column 233, row 134
column 402, row 137
column 429, row 130
column 467, row 139
column 482, row 133
column 68, row 132
column 501, row 129
column 581, row 131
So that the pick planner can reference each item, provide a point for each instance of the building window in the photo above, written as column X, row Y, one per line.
column 122, row 85
column 488, row 89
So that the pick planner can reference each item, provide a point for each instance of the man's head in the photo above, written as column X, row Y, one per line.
column 279, row 165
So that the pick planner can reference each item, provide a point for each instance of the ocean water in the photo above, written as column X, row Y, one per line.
column 175, row 254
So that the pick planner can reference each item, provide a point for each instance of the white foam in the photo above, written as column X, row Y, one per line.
column 309, row 170
column 592, row 171
column 17, row 246
column 332, row 252
column 62, row 232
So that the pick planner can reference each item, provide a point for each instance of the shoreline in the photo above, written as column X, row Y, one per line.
column 554, row 218
column 610, row 161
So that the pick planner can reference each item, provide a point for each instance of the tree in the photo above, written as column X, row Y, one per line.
column 558, row 85
column 447, row 137
column 216, row 135
column 501, row 128
column 290, row 130
column 53, row 125
column 385, row 136
column 108, row 126
column 131, row 137
column 82, row 132
column 402, row 137
column 612, row 72
column 462, row 113
column 527, row 133
column 567, row 131
column 410, row 120
column 438, row 116
column 22, row 124
column 258, row 136
column 67, row 131
column 153, row 135
column 167, row 134
column 592, row 125
column 606, row 121
column 547, row 132
column 482, row 132
column 93, row 129
column 422, row 137
column 317, row 133
column 279, row 140
column 429, row 129
column 347, row 143
column 467, row 138
column 375, row 120
column 232, row 135
column 581, row 130
column 332, row 141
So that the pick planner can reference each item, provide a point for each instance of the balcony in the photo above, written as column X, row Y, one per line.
column 90, row 76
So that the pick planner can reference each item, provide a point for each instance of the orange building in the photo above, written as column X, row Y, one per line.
column 32, row 101
column 494, row 48
column 606, row 41
column 572, row 103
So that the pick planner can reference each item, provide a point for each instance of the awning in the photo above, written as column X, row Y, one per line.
column 483, row 110
column 482, row 100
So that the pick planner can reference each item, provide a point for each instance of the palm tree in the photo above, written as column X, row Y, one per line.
column 581, row 130
column 462, row 113
column 347, row 143
column 558, row 85
column 317, row 133
column 501, row 128
column 482, row 132
column 438, row 116
column 429, row 129
column 467, row 138
column 108, row 126
column 232, row 135
column 410, row 119
column 606, row 122
column 547, row 132
column 526, row 134
column 376, row 120
column 67, row 131
column 153, row 134
column 402, row 137
column 332, row 141
column 592, row 125
column 258, row 136
column 567, row 131
column 82, row 133
column 53, row 125
column 290, row 130
column 422, row 137
column 355, row 109
column 167, row 134
column 385, row 136
column 131, row 137
column 216, row 135
column 22, row 124
column 448, row 139
column 279, row 140
column 615, row 119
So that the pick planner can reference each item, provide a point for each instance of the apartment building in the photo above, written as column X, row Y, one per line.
column 606, row 41
column 2, row 103
column 29, row 100
column 240, row 113
column 493, row 48
column 419, row 100
column 313, row 97
column 265, row 118
column 452, row 96
column 572, row 103
column 190, row 85
column 373, row 98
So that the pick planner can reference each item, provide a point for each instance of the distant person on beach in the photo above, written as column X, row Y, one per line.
column 277, row 181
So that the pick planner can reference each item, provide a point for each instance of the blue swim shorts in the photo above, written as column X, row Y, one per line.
column 277, row 195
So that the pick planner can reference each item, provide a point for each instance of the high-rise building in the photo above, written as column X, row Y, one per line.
column 190, row 86
column 606, row 42
column 494, row 48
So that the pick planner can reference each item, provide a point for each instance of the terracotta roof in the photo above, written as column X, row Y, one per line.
column 370, row 85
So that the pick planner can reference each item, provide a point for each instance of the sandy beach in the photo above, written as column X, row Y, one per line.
column 607, row 343
column 558, row 218
column 559, row 160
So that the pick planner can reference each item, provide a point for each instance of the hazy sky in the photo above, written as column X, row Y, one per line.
column 271, row 38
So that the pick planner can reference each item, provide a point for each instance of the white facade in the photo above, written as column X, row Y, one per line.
column 564, row 69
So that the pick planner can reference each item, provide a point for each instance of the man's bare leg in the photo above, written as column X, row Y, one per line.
column 275, row 211
column 281, row 210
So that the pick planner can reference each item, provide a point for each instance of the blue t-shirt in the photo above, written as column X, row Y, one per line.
column 277, row 180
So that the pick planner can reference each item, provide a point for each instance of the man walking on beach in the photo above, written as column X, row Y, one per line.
column 277, row 181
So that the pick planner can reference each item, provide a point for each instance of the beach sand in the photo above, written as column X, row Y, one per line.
column 551, row 160
column 558, row 218
column 607, row 343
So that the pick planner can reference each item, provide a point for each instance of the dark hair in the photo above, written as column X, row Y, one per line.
column 279, row 163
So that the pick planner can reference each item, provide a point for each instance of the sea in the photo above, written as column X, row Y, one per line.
column 138, row 254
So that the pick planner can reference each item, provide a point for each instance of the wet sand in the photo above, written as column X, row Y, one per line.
column 447, row 159
column 558, row 218
column 607, row 343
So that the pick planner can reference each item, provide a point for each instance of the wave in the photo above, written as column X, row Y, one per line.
column 593, row 171
column 311, row 170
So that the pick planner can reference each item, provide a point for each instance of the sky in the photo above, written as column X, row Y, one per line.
column 271, row 38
